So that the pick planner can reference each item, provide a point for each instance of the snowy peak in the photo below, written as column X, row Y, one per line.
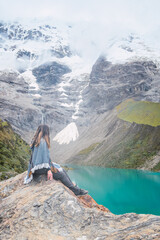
column 130, row 48
column 24, row 47
column 43, row 33
column 28, row 47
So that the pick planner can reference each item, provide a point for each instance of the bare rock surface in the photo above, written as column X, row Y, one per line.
column 48, row 210
column 111, row 84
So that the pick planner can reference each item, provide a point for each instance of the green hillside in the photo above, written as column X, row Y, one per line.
column 140, row 112
column 14, row 152
column 130, row 141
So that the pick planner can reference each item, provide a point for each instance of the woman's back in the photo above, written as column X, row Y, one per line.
column 40, row 156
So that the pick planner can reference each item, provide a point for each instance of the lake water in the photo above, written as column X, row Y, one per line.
column 120, row 190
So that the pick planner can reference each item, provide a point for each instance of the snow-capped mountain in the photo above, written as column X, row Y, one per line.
column 24, row 47
column 44, row 79
column 28, row 47
column 42, row 58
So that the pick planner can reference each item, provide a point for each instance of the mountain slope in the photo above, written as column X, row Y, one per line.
column 14, row 153
column 113, row 142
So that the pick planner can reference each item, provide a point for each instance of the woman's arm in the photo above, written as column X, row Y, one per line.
column 49, row 175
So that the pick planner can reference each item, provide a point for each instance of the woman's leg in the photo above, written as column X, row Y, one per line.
column 64, row 171
column 64, row 178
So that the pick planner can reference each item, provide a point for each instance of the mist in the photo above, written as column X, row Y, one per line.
column 139, row 15
column 93, row 22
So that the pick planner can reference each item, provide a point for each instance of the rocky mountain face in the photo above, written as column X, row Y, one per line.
column 39, row 83
column 111, row 84
column 112, row 142
column 15, row 104
column 107, row 140
column 44, row 80
column 50, row 74
column 50, row 210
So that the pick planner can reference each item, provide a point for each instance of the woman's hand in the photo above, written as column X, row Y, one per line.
column 49, row 175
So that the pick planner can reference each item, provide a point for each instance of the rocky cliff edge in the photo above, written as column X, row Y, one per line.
column 49, row 210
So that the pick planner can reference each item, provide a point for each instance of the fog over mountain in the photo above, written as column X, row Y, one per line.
column 93, row 22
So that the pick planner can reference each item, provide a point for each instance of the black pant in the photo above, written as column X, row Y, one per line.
column 65, row 179
column 62, row 176
column 39, row 174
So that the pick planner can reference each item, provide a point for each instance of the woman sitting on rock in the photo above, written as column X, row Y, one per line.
column 40, row 163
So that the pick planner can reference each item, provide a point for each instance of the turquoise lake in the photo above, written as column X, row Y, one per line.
column 120, row 190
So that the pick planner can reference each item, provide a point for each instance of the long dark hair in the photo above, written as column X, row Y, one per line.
column 42, row 132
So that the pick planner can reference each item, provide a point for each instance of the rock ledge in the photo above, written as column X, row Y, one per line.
column 49, row 210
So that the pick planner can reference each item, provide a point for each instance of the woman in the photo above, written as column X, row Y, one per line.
column 40, row 162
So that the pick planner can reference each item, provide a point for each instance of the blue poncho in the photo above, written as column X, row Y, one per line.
column 40, row 160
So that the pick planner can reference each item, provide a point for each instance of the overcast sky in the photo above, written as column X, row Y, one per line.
column 100, row 17
column 136, row 14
